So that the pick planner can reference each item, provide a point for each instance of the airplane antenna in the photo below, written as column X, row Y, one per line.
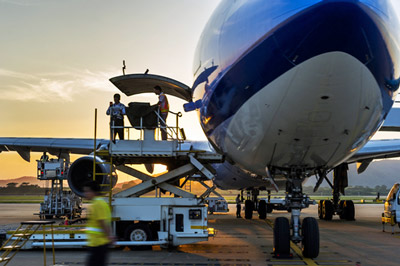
column 123, row 67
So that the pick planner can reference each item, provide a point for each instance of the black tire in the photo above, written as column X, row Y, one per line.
column 248, row 211
column 320, row 215
column 348, row 210
column 270, row 208
column 327, row 210
column 262, row 210
column 341, row 209
column 137, row 232
column 47, row 217
column 281, row 237
column 310, row 233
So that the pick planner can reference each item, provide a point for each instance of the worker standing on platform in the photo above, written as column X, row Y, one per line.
column 43, row 159
column 238, row 206
column 117, row 112
column 98, row 227
column 164, row 109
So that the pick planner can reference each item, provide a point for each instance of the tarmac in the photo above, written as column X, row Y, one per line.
column 241, row 242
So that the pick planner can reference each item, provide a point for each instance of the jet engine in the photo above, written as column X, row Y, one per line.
column 81, row 171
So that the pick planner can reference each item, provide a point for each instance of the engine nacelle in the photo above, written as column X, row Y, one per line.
column 81, row 172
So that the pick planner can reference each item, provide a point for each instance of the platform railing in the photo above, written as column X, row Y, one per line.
column 173, row 132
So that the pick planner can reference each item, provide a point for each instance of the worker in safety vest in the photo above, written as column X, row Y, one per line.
column 164, row 108
column 44, row 158
column 98, row 227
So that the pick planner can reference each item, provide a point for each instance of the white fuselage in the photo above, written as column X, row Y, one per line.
column 294, row 86
column 310, row 116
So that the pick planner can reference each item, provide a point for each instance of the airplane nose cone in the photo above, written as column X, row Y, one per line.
column 342, row 52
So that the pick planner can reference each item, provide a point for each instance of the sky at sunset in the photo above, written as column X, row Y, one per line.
column 56, row 58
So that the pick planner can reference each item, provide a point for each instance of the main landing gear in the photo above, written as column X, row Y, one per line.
column 343, row 208
column 306, row 233
column 252, row 203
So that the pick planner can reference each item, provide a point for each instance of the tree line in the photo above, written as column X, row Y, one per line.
column 23, row 188
column 383, row 190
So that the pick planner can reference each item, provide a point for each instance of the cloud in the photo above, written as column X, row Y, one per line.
column 54, row 86
column 22, row 2
column 13, row 74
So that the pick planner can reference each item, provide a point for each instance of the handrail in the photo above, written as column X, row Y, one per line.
column 172, row 131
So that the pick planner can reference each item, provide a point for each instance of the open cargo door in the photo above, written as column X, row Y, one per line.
column 142, row 83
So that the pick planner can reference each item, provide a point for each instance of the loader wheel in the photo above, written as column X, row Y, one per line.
column 137, row 232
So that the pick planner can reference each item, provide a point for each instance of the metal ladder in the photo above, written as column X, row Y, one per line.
column 188, row 185
column 19, row 238
column 104, row 154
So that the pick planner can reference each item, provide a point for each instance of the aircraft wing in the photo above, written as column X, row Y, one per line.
column 392, row 121
column 375, row 149
column 56, row 146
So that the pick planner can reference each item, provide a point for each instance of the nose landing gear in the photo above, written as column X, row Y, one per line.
column 306, row 233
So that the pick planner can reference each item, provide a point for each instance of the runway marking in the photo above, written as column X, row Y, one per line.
column 306, row 261
column 296, row 249
column 228, row 260
column 158, row 264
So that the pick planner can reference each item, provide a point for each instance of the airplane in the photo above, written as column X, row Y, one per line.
column 285, row 90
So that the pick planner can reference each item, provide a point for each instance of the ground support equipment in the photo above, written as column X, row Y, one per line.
column 21, row 236
column 164, row 220
column 57, row 201
column 391, row 214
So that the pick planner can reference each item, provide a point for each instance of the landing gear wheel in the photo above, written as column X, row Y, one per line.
column 248, row 211
column 327, row 210
column 269, row 208
column 310, row 233
column 281, row 237
column 320, row 215
column 342, row 214
column 348, row 210
column 262, row 209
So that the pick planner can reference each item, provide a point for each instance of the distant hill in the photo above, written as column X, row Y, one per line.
column 29, row 179
column 378, row 173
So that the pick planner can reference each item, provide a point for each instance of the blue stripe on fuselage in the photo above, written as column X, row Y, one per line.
column 346, row 26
